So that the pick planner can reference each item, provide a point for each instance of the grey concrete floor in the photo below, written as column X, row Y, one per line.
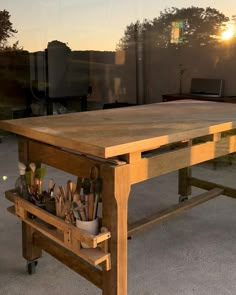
column 192, row 254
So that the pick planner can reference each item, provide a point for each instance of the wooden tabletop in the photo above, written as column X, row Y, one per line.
column 112, row 132
column 176, row 96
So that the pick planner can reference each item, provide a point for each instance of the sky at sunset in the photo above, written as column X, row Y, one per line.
column 88, row 24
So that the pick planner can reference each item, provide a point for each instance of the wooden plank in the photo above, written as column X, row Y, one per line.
column 103, row 236
column 93, row 256
column 138, row 128
column 11, row 194
column 173, row 211
column 57, row 222
column 90, row 273
column 60, row 224
column 61, row 159
column 175, row 160
column 216, row 137
column 29, row 250
column 96, row 257
column 174, row 96
column 115, row 210
column 132, row 157
column 207, row 185
column 11, row 210
column 23, row 150
column 184, row 189
column 43, row 214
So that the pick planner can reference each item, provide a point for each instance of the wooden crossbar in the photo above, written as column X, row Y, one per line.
column 170, row 161
column 173, row 211
column 207, row 185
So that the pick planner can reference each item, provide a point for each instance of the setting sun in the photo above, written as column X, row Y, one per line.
column 228, row 33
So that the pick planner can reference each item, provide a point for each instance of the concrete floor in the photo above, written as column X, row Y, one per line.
column 192, row 254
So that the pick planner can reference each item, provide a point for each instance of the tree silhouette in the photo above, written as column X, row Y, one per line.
column 6, row 29
column 201, row 27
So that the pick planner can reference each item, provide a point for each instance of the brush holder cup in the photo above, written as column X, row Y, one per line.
column 91, row 227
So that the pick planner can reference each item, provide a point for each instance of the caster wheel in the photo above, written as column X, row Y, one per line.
column 182, row 199
column 31, row 266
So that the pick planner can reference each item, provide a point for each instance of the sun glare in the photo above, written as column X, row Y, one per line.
column 228, row 33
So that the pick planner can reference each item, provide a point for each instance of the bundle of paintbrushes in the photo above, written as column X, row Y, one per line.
column 64, row 199
column 85, row 205
column 30, row 184
column 76, row 201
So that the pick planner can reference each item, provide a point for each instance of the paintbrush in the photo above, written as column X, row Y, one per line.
column 76, row 197
column 97, row 191
column 32, row 174
column 79, row 184
column 71, row 188
column 22, row 168
column 86, row 189
column 38, row 183
column 50, row 185
column 90, row 206
column 81, row 211
column 68, row 192
column 75, row 210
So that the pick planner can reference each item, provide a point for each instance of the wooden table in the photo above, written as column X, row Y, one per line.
column 175, row 96
column 129, row 145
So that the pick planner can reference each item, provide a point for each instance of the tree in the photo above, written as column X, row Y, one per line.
column 6, row 29
column 201, row 27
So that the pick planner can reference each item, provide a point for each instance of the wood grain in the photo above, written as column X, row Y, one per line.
column 178, row 159
column 115, row 211
column 112, row 132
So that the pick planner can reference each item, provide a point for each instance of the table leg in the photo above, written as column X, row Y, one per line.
column 29, row 251
column 115, row 210
column 185, row 188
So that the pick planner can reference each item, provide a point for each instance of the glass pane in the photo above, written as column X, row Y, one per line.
column 71, row 55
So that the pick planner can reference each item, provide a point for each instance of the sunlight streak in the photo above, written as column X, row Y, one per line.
column 229, row 33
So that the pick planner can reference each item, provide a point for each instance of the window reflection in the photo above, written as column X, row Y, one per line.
column 76, row 55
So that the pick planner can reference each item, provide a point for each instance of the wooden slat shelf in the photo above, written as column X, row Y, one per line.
column 67, row 235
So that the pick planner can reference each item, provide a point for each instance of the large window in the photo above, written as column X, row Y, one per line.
column 103, row 51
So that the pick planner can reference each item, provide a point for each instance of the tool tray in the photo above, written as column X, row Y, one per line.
column 65, row 234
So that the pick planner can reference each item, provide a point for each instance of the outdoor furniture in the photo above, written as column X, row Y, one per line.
column 129, row 145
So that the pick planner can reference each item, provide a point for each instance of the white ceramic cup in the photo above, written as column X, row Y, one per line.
column 90, row 227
